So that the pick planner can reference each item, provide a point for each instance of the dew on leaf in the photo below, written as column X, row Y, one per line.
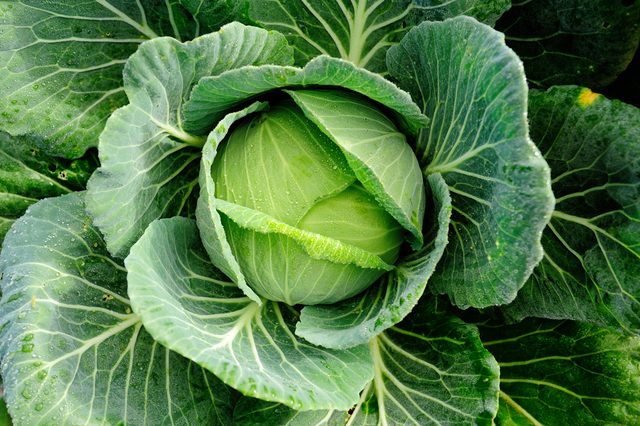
column 26, row 393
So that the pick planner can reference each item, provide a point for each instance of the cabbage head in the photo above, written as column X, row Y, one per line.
column 332, row 227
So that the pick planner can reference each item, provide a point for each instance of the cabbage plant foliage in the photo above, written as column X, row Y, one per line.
column 333, row 212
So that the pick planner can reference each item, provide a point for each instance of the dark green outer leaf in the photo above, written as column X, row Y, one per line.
column 359, row 31
column 71, row 350
column 573, row 41
column 61, row 64
column 188, row 305
column 149, row 163
column 27, row 175
column 473, row 89
column 429, row 369
column 591, row 269
column 558, row 373
column 387, row 302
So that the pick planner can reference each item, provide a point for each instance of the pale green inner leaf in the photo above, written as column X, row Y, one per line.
column 281, row 268
column 354, row 217
column 210, row 226
column 376, row 151
column 317, row 246
column 279, row 163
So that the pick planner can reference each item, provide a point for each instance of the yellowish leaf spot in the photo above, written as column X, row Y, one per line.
column 587, row 97
column 33, row 302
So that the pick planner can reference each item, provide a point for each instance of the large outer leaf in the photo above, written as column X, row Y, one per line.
column 149, row 163
column 559, row 373
column 61, row 63
column 27, row 175
column 429, row 369
column 573, row 41
column 360, row 31
column 591, row 268
column 473, row 89
column 189, row 306
column 72, row 351
column 387, row 302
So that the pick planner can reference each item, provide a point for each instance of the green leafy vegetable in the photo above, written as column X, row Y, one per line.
column 292, row 198
column 279, row 230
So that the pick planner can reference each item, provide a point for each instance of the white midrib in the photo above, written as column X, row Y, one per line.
column 97, row 340
column 357, row 38
column 519, row 409
column 378, row 380
column 143, row 29
column 241, row 323
column 197, row 141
